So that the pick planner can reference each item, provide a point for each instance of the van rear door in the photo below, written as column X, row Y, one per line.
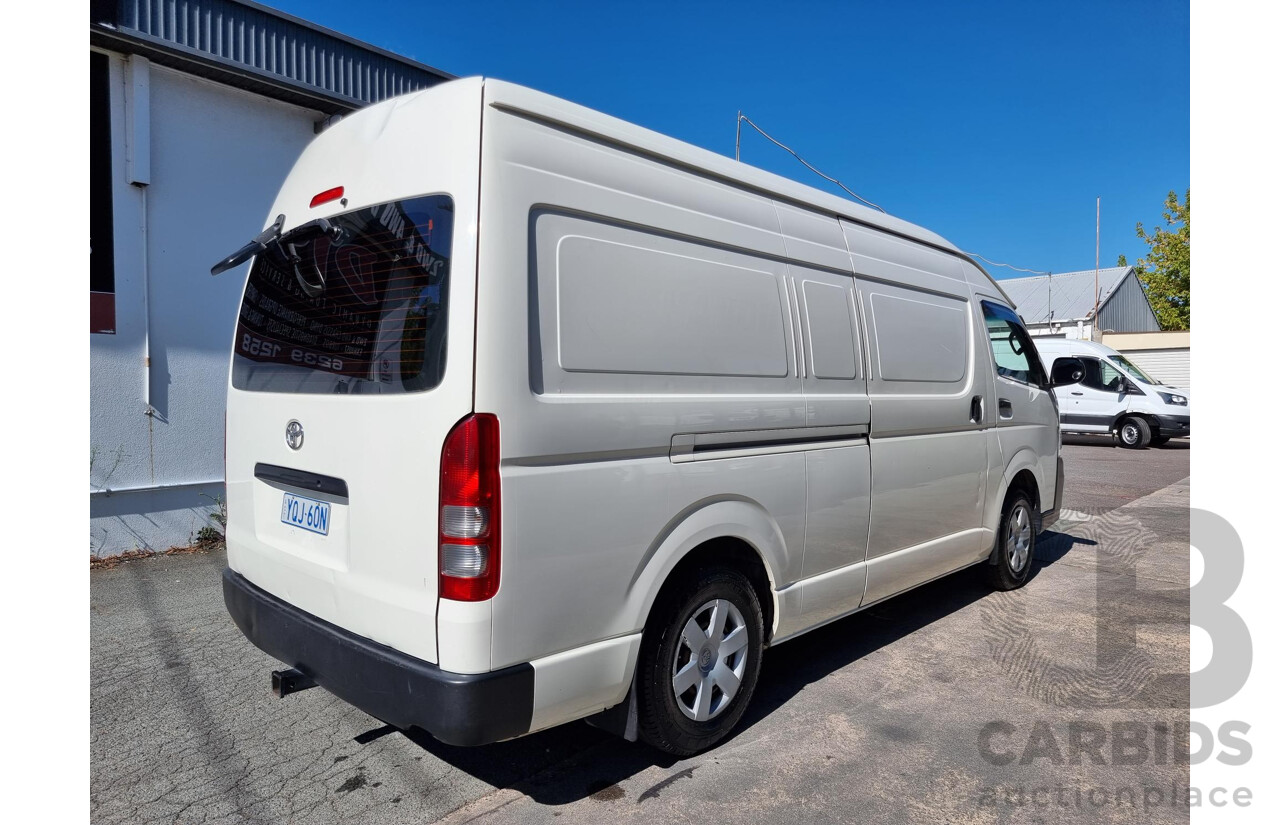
column 353, row 359
column 344, row 386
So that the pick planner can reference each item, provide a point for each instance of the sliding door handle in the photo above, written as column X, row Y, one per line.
column 1006, row 408
column 975, row 409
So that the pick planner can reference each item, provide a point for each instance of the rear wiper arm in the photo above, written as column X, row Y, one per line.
column 303, row 234
column 257, row 246
column 283, row 247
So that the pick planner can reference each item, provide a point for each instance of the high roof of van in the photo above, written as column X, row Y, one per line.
column 541, row 106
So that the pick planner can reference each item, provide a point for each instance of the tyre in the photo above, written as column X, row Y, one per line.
column 1159, row 440
column 699, row 661
column 1134, row 433
column 1015, row 547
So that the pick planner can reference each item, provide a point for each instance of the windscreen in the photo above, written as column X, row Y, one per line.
column 363, row 309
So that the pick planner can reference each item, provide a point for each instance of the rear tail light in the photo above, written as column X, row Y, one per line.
column 470, row 509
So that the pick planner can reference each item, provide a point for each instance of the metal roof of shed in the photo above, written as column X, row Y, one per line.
column 1068, row 294
column 251, row 46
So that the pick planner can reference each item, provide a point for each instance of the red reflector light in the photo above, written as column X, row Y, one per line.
column 326, row 196
column 470, row 532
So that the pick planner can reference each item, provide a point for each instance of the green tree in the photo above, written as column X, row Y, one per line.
column 1165, row 271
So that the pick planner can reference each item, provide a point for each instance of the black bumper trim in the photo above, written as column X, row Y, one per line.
column 1173, row 426
column 401, row 690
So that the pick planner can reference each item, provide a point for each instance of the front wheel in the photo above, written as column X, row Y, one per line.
column 1010, row 565
column 1135, row 433
column 699, row 661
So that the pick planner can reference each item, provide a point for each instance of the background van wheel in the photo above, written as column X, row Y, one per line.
column 1015, row 544
column 1134, row 433
column 699, row 661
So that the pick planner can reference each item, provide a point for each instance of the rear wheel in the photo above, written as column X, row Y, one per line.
column 1015, row 547
column 1134, row 433
column 699, row 661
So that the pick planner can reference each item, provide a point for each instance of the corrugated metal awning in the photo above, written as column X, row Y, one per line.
column 253, row 47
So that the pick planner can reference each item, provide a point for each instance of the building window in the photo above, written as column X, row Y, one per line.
column 102, row 252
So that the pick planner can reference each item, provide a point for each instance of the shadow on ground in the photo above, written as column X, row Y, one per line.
column 576, row 761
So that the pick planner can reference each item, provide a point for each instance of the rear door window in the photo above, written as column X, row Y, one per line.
column 380, row 323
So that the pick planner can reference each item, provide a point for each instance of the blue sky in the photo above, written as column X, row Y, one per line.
column 994, row 124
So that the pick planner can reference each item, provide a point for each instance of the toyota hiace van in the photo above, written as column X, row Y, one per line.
column 536, row 415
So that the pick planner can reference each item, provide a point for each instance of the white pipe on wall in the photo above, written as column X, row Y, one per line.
column 137, row 157
column 137, row 120
column 144, row 272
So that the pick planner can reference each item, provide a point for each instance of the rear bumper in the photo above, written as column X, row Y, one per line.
column 1173, row 426
column 1050, row 517
column 403, row 691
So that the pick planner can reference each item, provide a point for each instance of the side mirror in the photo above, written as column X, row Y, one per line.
column 1066, row 371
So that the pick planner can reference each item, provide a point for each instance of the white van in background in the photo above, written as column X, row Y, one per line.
column 537, row 415
column 1116, row 396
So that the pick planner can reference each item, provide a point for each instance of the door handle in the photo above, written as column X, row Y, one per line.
column 1077, row 393
column 1006, row 408
column 975, row 409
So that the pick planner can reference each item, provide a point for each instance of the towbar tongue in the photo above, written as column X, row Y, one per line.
column 284, row 682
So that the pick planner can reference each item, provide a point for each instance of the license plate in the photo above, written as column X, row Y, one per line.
column 306, row 513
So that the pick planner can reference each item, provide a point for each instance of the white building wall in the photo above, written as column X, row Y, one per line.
column 1075, row 331
column 1172, row 366
column 217, row 157
column 1165, row 355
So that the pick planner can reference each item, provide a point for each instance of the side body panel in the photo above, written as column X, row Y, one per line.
column 677, row 359
column 834, row 377
column 1089, row 406
column 928, row 449
column 595, row 509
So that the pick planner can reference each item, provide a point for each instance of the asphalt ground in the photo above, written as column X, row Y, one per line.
column 1059, row 702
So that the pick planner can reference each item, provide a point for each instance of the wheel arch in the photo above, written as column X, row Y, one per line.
column 1150, row 418
column 733, row 531
column 1023, row 469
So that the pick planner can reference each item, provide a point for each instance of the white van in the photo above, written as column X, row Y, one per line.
column 1116, row 396
column 537, row 415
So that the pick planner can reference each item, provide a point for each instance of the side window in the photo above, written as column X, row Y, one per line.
column 1100, row 375
column 1015, row 356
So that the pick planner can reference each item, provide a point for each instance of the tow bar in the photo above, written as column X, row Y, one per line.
column 284, row 682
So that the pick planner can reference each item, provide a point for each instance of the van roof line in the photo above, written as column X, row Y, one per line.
column 556, row 111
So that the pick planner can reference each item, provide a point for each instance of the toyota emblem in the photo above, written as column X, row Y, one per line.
column 293, row 435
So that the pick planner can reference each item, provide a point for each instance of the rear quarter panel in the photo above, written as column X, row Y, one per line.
column 594, row 510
